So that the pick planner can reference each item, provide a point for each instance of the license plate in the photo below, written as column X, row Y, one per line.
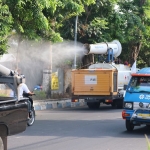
column 143, row 115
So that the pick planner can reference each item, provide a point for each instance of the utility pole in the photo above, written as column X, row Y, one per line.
column 51, row 67
column 75, row 41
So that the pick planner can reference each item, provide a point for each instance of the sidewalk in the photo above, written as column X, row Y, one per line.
column 53, row 104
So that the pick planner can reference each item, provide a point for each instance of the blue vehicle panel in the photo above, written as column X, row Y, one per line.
column 138, row 97
column 137, row 100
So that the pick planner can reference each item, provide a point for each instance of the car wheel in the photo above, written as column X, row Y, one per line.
column 129, row 125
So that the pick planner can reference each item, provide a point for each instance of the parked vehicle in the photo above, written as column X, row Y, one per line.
column 102, row 82
column 13, row 110
column 137, row 100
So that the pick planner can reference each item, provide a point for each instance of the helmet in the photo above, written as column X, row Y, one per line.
column 20, row 79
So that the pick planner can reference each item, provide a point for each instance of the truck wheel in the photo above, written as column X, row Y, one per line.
column 113, row 105
column 147, row 125
column 129, row 125
column 90, row 105
column 1, row 144
column 119, row 105
column 96, row 105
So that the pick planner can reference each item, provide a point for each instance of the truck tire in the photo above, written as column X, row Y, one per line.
column 3, row 137
column 94, row 105
column 117, row 104
column 129, row 125
column 31, row 118
column 113, row 105
column 120, row 105
column 148, row 125
column 1, row 144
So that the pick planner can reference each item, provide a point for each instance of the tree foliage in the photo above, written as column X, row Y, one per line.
column 125, row 20
column 92, row 22
column 37, row 19
column 5, row 26
column 99, row 21
column 30, row 21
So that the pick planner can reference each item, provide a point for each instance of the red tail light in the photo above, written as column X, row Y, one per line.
column 74, row 100
column 124, row 114
column 108, row 101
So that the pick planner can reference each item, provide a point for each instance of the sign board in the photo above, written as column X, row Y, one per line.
column 90, row 79
column 54, row 81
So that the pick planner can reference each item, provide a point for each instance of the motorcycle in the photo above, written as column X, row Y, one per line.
column 31, row 118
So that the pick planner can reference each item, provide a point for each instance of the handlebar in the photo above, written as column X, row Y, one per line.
column 28, row 94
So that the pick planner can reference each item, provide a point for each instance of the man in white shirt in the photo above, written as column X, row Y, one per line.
column 24, row 91
column 22, row 88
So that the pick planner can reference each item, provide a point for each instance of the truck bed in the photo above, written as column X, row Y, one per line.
column 94, row 82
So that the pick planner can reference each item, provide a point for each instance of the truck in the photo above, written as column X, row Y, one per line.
column 136, row 110
column 104, row 81
column 13, row 110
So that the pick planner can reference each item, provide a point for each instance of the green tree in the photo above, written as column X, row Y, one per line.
column 30, row 21
column 64, row 16
column 5, row 26
column 131, row 22
column 136, row 26
column 37, row 19
column 103, row 21
column 92, row 23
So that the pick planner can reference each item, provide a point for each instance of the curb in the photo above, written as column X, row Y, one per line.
column 53, row 104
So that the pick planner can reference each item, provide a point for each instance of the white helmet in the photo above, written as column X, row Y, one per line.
column 20, row 79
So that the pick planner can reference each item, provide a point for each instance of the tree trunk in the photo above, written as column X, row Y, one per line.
column 134, row 52
column 87, row 61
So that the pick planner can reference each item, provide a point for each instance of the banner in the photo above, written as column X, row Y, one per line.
column 54, row 81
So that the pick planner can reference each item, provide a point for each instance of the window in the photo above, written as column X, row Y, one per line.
column 5, row 90
column 138, row 84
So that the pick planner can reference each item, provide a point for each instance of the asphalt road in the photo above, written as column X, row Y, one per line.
column 79, row 129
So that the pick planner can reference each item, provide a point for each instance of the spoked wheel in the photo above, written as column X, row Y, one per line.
column 129, row 125
column 31, row 118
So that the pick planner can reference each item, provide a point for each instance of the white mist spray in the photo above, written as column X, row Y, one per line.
column 33, row 57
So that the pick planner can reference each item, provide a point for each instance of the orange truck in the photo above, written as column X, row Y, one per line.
column 102, row 82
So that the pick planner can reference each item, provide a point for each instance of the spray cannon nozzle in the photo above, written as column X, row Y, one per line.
column 111, row 50
column 102, row 48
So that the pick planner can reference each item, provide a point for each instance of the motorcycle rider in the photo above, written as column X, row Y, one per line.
column 23, row 87
column 25, row 92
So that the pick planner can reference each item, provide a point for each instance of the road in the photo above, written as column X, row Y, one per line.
column 79, row 129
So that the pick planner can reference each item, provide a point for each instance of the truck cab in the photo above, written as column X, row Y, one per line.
column 137, row 100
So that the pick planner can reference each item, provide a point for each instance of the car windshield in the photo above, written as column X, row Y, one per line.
column 5, row 90
column 139, row 84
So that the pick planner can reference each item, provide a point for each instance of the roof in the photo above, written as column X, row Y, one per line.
column 143, row 72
